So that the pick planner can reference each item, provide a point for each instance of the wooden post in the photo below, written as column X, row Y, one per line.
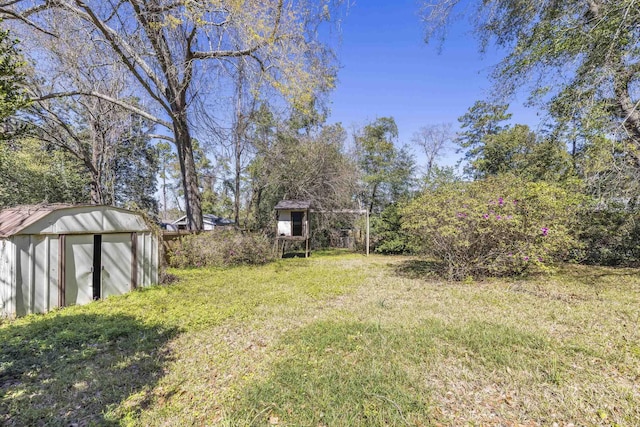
column 307, row 217
column 367, row 244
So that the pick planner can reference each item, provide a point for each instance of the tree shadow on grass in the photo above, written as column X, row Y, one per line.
column 420, row 269
column 293, row 254
column 79, row 369
column 590, row 275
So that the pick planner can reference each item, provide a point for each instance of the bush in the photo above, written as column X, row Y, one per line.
column 220, row 248
column 497, row 227
column 610, row 235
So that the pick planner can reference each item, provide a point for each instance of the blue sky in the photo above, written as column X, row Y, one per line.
column 388, row 70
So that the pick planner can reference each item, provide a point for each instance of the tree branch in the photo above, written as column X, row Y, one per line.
column 125, row 51
column 4, row 13
column 159, row 136
column 116, row 101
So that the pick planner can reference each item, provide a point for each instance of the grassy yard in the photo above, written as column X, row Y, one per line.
column 334, row 340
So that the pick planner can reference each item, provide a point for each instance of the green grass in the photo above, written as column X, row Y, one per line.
column 334, row 340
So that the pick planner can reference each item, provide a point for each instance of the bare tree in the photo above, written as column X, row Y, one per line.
column 433, row 141
column 90, row 128
column 170, row 46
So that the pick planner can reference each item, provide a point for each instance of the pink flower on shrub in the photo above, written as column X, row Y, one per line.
column 545, row 231
column 485, row 216
column 461, row 215
column 501, row 201
column 498, row 217
column 526, row 258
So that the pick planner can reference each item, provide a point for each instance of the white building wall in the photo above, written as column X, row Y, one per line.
column 23, row 275
column 284, row 223
column 7, row 278
column 147, row 259
column 116, row 264
column 40, row 271
column 54, row 273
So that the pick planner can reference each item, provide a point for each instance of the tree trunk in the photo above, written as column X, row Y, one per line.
column 236, row 196
column 192, row 200
column 373, row 198
column 97, row 198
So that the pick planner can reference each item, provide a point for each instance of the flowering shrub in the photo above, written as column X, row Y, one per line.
column 220, row 248
column 496, row 227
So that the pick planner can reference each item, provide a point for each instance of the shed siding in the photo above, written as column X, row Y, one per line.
column 23, row 272
column 116, row 264
column 152, row 257
column 284, row 223
column 40, row 283
column 147, row 259
column 144, row 263
column 7, row 277
column 52, row 279
column 78, row 269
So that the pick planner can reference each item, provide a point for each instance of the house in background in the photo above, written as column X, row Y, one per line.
column 58, row 255
column 210, row 222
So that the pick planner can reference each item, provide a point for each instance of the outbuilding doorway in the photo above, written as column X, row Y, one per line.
column 296, row 223
column 97, row 266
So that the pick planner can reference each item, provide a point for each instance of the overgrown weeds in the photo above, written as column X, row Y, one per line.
column 220, row 248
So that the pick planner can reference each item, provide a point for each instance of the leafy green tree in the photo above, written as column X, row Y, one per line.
column 580, row 58
column 12, row 96
column 135, row 172
column 439, row 176
column 290, row 162
column 387, row 172
column 34, row 172
column 519, row 151
column 482, row 120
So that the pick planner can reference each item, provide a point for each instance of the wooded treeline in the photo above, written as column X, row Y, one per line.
column 218, row 107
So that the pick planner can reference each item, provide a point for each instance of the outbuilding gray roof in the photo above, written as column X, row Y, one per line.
column 293, row 205
column 13, row 220
column 68, row 219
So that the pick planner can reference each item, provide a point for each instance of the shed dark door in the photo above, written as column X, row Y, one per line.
column 296, row 223
column 97, row 266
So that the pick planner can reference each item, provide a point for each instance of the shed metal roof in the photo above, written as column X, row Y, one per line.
column 207, row 219
column 68, row 219
column 13, row 220
column 293, row 204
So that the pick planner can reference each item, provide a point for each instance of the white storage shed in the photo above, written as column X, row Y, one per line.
column 59, row 255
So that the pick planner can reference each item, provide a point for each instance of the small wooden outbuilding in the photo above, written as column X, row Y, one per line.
column 59, row 255
column 293, row 223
